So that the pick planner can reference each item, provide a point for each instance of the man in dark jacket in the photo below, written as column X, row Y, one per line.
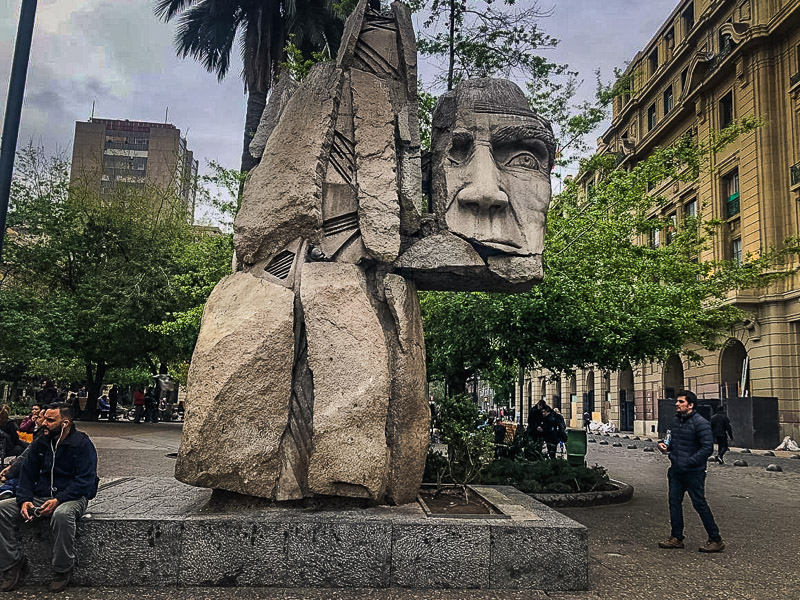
column 550, row 429
column 688, row 448
column 57, row 480
column 721, row 428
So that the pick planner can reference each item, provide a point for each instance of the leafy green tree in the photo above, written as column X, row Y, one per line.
column 483, row 38
column 100, row 271
column 208, row 30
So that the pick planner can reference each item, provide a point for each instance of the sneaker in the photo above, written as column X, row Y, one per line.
column 6, row 494
column 60, row 581
column 720, row 461
column 710, row 546
column 672, row 543
column 13, row 574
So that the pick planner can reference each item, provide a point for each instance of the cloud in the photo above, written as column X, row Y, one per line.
column 119, row 55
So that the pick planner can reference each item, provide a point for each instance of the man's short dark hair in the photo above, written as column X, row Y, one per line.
column 720, row 409
column 691, row 397
column 63, row 408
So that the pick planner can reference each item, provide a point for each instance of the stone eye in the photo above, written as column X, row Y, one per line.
column 461, row 147
column 524, row 160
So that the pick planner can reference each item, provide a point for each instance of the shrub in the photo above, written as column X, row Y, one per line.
column 546, row 476
column 469, row 450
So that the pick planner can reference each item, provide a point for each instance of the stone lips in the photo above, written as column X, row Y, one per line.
column 447, row 262
column 239, row 386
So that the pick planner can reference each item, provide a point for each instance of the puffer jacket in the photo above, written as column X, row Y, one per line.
column 692, row 442
column 66, row 471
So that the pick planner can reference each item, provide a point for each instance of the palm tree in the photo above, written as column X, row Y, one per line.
column 207, row 31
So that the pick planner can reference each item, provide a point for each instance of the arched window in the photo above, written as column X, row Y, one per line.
column 673, row 376
column 734, row 376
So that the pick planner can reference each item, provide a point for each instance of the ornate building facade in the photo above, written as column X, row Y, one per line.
column 713, row 61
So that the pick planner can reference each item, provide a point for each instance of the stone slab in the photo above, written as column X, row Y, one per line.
column 311, row 545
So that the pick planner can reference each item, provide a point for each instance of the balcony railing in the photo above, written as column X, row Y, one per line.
column 725, row 49
column 794, row 174
column 732, row 206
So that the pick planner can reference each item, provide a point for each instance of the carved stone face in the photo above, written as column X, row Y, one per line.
column 491, row 167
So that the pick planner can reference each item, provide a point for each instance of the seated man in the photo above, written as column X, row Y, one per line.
column 57, row 480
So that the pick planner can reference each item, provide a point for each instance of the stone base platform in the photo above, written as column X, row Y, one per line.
column 156, row 532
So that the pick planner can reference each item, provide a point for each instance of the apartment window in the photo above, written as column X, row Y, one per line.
column 726, row 110
column 730, row 191
column 669, row 40
column 684, row 77
column 668, row 100
column 651, row 117
column 796, row 76
column 690, row 208
column 687, row 16
column 736, row 250
column 655, row 238
column 652, row 61
column 724, row 42
column 672, row 227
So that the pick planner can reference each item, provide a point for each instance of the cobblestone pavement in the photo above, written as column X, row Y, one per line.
column 757, row 512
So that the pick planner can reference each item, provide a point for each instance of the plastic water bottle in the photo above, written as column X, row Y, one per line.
column 668, row 438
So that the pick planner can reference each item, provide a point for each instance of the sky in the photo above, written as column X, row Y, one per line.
column 117, row 55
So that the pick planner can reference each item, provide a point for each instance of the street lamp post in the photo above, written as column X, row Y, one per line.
column 16, row 93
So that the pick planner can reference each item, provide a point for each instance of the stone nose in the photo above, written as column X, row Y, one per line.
column 482, row 192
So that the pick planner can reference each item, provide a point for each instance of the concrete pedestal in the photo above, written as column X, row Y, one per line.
column 157, row 532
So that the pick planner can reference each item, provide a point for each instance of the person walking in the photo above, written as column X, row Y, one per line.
column 138, row 405
column 534, row 429
column 587, row 419
column 113, row 399
column 722, row 430
column 688, row 446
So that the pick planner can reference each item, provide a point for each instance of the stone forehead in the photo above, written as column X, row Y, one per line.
column 484, row 97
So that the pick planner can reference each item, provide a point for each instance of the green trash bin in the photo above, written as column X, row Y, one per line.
column 576, row 446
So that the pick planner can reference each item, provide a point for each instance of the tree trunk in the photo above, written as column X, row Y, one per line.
column 13, row 392
column 94, row 386
column 256, row 101
column 452, row 53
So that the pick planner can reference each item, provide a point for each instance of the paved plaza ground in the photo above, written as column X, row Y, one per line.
column 757, row 512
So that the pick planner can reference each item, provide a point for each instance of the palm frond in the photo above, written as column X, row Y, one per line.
column 208, row 35
column 167, row 9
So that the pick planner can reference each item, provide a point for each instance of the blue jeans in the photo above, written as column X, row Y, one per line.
column 693, row 482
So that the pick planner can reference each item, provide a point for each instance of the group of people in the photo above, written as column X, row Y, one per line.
column 53, row 477
column 546, row 426
column 106, row 404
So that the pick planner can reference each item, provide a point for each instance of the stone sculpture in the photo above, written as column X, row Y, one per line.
column 308, row 377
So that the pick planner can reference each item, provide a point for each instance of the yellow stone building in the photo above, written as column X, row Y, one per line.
column 713, row 61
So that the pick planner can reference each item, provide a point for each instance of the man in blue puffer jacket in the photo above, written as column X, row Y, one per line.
column 688, row 449
column 57, row 481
